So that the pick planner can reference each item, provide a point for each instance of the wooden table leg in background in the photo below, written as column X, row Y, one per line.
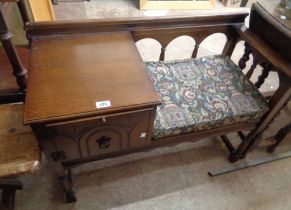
column 19, row 71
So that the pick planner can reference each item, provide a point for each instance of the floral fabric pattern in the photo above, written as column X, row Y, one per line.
column 201, row 94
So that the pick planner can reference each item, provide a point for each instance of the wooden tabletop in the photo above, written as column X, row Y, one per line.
column 69, row 74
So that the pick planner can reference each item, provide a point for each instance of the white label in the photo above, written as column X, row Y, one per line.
column 103, row 104
column 143, row 135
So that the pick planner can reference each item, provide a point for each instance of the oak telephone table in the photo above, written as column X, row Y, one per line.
column 96, row 99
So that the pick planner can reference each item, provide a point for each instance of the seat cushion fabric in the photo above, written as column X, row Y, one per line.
column 201, row 94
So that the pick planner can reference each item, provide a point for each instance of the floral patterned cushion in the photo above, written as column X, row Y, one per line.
column 200, row 94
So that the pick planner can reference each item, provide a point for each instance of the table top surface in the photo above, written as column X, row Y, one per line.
column 72, row 76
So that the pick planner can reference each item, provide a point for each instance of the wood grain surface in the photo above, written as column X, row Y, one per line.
column 18, row 146
column 69, row 74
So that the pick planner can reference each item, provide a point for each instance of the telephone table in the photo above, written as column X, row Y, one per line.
column 88, row 97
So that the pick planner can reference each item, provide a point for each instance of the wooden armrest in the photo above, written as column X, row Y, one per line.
column 265, row 50
column 8, row 85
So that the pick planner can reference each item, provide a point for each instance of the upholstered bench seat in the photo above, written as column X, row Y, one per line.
column 200, row 94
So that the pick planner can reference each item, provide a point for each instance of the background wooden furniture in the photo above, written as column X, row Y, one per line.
column 19, row 149
column 31, row 10
column 280, row 32
column 6, row 39
column 42, row 10
column 9, row 90
column 19, row 152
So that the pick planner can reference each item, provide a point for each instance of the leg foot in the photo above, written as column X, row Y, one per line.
column 71, row 197
column 271, row 149
column 67, row 182
column 233, row 157
column 243, row 155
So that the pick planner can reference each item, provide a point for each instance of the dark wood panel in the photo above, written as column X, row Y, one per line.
column 100, row 136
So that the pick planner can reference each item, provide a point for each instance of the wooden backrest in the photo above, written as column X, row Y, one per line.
column 8, row 91
column 162, row 29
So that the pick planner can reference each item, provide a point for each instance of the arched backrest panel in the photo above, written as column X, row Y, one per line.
column 180, row 48
column 166, row 36
column 149, row 49
column 212, row 45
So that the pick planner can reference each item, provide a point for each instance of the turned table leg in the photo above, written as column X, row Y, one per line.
column 19, row 71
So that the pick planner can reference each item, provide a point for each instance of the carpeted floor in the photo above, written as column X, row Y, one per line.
column 169, row 178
